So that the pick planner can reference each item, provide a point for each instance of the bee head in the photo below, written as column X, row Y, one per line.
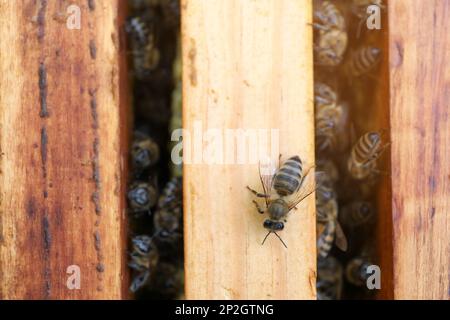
column 142, row 157
column 374, row 137
column 273, row 225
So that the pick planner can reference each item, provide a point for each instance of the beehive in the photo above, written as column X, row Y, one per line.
column 64, row 130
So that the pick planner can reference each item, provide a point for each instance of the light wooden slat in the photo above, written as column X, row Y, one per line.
column 63, row 145
column 419, row 101
column 247, row 65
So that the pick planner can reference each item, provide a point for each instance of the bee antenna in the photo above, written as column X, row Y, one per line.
column 284, row 244
column 266, row 237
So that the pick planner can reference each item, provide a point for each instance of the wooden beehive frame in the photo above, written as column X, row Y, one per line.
column 252, row 69
column 247, row 64
column 63, row 139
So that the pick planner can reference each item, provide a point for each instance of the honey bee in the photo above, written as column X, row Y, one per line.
column 364, row 155
column 332, row 36
column 356, row 271
column 330, row 48
column 142, row 196
column 144, row 152
column 144, row 258
column 329, row 229
column 168, row 219
column 362, row 61
column 144, row 50
column 357, row 213
column 329, row 279
column 330, row 119
column 282, row 191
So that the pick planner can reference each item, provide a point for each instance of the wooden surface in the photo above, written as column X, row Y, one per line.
column 419, row 101
column 247, row 65
column 62, row 133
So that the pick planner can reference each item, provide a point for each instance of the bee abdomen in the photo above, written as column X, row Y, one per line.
column 326, row 239
column 360, row 163
column 363, row 60
column 289, row 176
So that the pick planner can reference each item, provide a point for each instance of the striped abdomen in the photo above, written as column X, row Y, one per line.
column 289, row 177
column 326, row 239
column 365, row 151
column 363, row 60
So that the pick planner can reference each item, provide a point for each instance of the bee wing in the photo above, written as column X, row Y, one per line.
column 341, row 240
column 309, row 185
column 267, row 170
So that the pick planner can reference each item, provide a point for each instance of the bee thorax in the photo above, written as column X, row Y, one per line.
column 278, row 209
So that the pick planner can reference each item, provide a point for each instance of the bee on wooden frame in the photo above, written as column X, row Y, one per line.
column 144, row 258
column 282, row 191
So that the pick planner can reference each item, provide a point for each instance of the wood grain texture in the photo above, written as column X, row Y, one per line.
column 419, row 95
column 246, row 65
column 63, row 145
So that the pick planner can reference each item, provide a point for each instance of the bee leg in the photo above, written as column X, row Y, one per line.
column 256, row 193
column 318, row 26
column 261, row 211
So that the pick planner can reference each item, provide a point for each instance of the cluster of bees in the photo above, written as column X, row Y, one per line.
column 347, row 152
column 156, row 240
